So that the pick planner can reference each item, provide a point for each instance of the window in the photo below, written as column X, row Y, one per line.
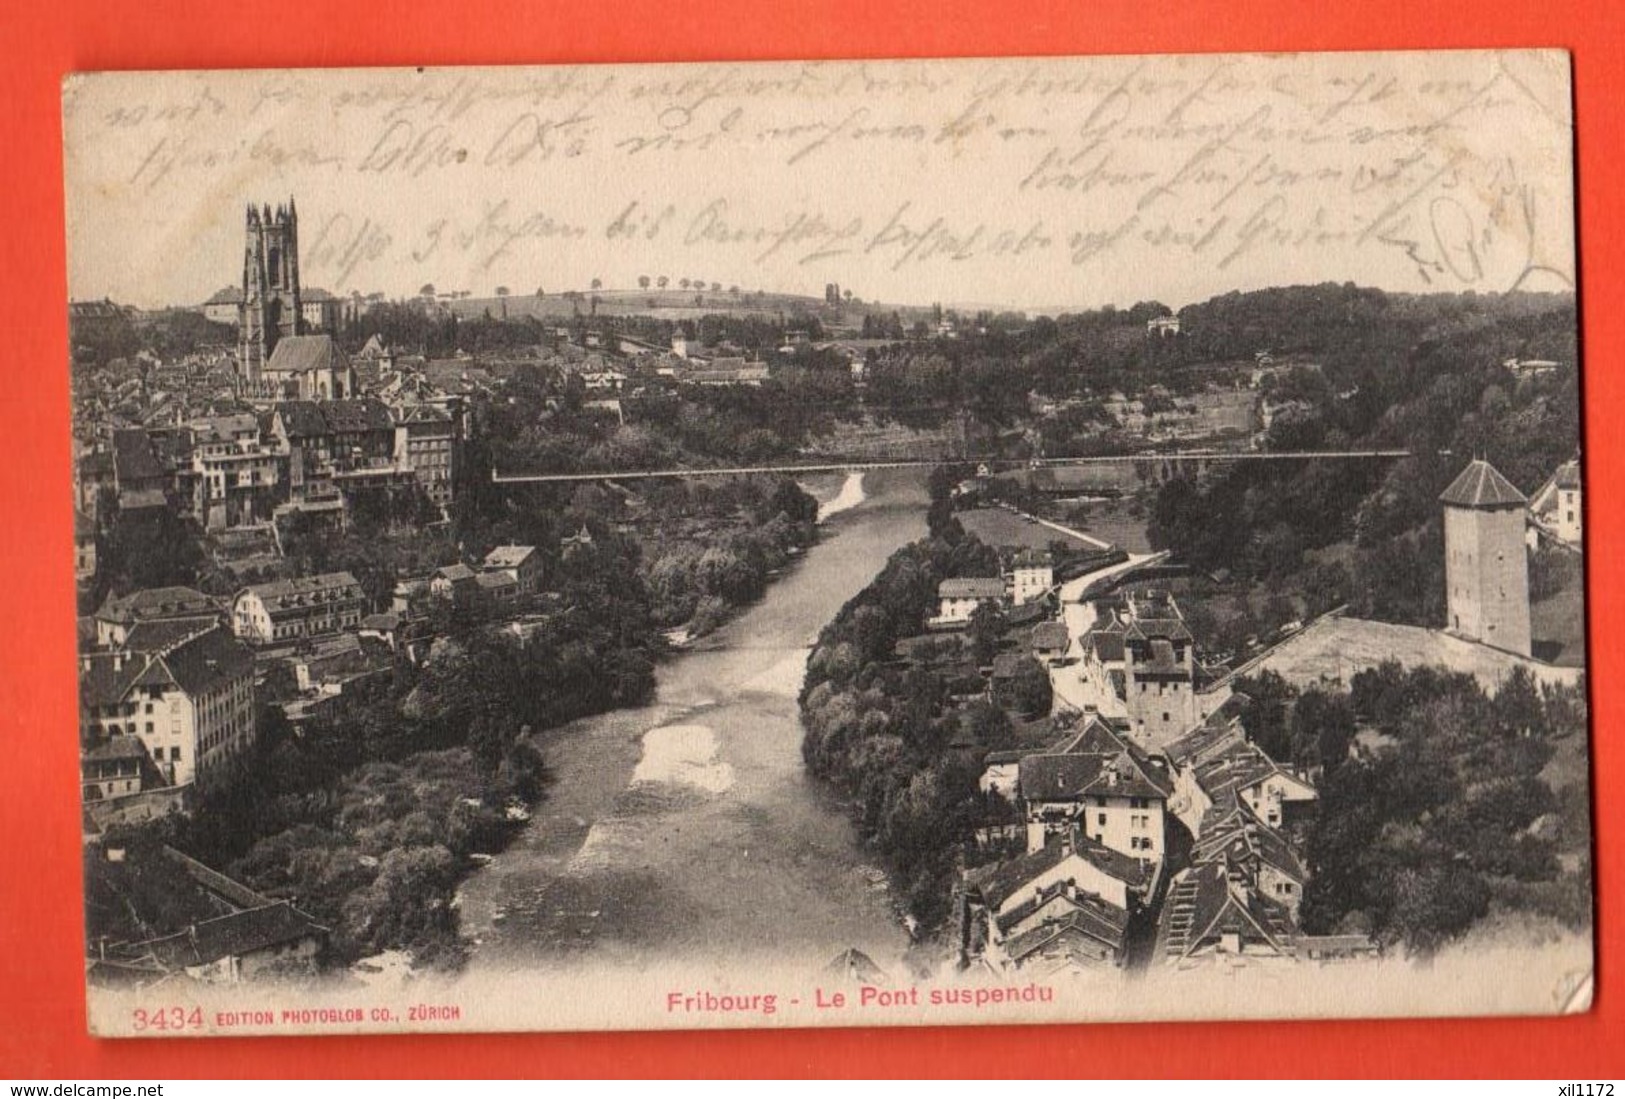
column 1165, row 715
column 1102, row 820
column 175, row 753
column 149, row 726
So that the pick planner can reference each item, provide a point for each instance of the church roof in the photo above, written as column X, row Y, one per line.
column 298, row 354
column 1481, row 485
column 226, row 295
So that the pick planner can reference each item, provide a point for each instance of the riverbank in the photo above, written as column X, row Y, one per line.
column 687, row 830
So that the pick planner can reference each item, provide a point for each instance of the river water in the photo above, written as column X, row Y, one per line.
column 688, row 831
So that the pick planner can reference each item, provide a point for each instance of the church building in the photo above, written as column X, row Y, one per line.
column 271, row 306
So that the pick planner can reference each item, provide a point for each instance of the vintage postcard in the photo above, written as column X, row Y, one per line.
column 829, row 544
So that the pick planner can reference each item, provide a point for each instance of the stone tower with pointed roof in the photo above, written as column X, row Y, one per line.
column 271, row 303
column 1486, row 567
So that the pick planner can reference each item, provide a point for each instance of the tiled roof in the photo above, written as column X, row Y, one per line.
column 1050, row 635
column 104, row 678
column 350, row 416
column 1090, row 917
column 233, row 936
column 508, row 557
column 1224, row 774
column 160, row 635
column 116, row 748
column 133, row 459
column 302, row 419
column 149, row 603
column 298, row 354
column 226, row 295
column 490, row 580
column 1071, row 777
column 455, row 573
column 971, row 587
column 1106, row 643
column 279, row 593
column 1481, row 485
column 1567, row 475
column 1202, row 904
column 1207, row 739
column 1145, row 629
column 315, row 293
column 208, row 661
column 1000, row 882
column 1235, row 835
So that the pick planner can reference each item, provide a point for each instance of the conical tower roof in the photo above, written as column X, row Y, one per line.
column 1481, row 485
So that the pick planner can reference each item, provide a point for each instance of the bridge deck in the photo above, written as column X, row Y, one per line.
column 861, row 465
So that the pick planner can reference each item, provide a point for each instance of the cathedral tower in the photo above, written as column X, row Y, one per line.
column 271, row 305
column 1486, row 567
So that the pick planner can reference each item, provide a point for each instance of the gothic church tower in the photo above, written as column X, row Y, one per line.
column 271, row 305
column 1486, row 565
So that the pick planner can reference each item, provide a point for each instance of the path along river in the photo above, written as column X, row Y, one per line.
column 687, row 831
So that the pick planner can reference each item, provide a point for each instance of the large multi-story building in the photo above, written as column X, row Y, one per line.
column 188, row 699
column 1486, row 559
column 426, row 444
column 120, row 614
column 293, row 610
column 1032, row 574
column 329, row 442
column 238, row 478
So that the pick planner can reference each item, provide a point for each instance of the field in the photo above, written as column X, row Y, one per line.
column 1336, row 648
column 998, row 527
column 1111, row 522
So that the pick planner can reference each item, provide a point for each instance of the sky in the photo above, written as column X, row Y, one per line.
column 1029, row 183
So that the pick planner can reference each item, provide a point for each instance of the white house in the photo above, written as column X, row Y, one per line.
column 958, row 599
column 1032, row 574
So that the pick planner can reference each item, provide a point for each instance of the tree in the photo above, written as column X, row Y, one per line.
column 597, row 284
column 661, row 282
column 984, row 629
column 1031, row 692
column 643, row 282
column 683, row 283
column 426, row 290
column 502, row 291
column 1433, row 906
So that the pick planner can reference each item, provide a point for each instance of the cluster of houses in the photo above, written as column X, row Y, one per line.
column 1148, row 827
column 1186, row 856
column 244, row 466
column 169, row 677
column 155, row 914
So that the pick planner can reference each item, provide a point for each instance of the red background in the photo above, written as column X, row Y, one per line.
column 42, row 1029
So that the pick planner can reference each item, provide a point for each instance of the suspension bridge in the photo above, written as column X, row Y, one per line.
column 1173, row 463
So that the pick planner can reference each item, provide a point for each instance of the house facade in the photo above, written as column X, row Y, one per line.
column 522, row 563
column 1101, row 784
column 1032, row 575
column 958, row 599
column 291, row 610
column 190, row 704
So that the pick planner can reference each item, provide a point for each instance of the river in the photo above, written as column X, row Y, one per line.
column 688, row 831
